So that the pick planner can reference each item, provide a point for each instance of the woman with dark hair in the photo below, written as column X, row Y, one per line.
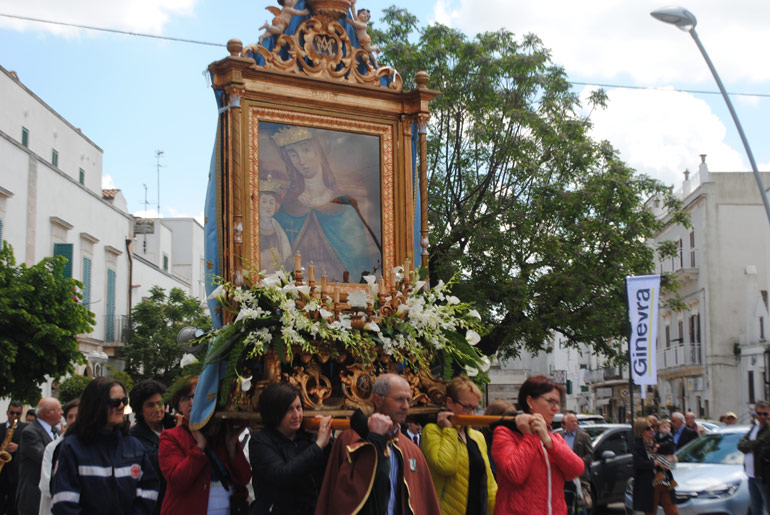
column 147, row 404
column 287, row 462
column 647, row 496
column 532, row 462
column 457, row 455
column 100, row 469
column 323, row 224
column 204, row 473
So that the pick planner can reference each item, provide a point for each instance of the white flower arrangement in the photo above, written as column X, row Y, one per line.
column 425, row 324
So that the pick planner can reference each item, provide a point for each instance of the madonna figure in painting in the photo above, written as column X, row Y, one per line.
column 324, row 225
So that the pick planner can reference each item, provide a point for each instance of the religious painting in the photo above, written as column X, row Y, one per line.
column 319, row 196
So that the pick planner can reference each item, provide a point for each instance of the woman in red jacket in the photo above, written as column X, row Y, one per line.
column 202, row 473
column 533, row 463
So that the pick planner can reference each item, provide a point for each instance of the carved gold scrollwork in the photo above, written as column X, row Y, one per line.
column 321, row 48
column 357, row 383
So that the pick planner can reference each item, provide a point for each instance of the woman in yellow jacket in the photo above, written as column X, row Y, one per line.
column 457, row 456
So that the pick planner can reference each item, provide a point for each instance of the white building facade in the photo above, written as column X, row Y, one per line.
column 52, row 203
column 711, row 356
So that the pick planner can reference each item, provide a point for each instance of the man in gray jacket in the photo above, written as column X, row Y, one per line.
column 580, row 443
column 34, row 438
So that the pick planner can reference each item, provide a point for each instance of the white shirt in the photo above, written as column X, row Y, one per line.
column 45, row 425
column 45, row 477
column 748, row 458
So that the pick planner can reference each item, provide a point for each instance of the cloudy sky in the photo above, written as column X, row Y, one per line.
column 134, row 95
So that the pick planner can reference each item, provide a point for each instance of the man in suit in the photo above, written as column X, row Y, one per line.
column 682, row 433
column 34, row 438
column 580, row 443
column 9, row 477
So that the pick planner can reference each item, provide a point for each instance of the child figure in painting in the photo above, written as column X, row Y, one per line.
column 274, row 247
column 282, row 18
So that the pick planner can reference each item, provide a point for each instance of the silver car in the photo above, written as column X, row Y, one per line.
column 710, row 475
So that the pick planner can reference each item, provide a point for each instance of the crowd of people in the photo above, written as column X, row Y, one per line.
column 385, row 463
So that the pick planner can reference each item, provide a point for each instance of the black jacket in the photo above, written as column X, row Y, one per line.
column 760, row 448
column 688, row 435
column 142, row 432
column 286, row 474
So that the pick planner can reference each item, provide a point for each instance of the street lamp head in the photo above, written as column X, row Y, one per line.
column 678, row 16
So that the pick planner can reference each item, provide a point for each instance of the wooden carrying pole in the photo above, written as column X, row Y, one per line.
column 312, row 423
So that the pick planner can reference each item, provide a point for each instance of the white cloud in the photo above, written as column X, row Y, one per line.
column 662, row 133
column 620, row 40
column 107, row 182
column 149, row 16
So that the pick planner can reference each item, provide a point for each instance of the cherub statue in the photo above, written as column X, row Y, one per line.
column 282, row 18
column 360, row 24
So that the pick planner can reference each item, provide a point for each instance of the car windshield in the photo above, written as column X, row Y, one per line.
column 713, row 448
column 594, row 431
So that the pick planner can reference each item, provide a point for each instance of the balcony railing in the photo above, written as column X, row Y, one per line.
column 599, row 375
column 116, row 329
column 680, row 355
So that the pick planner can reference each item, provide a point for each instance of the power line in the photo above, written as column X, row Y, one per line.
column 207, row 43
column 698, row 91
column 115, row 31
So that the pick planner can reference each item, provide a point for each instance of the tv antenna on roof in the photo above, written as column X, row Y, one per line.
column 158, row 155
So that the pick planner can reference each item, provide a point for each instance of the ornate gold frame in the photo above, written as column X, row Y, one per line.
column 253, row 93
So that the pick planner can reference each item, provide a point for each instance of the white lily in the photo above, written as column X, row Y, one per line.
column 219, row 291
column 474, row 313
column 472, row 337
column 471, row 371
column 188, row 359
column 325, row 314
column 245, row 384
column 372, row 326
column 452, row 300
column 485, row 364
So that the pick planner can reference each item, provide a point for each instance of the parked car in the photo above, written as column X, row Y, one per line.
column 613, row 462
column 584, row 419
column 710, row 475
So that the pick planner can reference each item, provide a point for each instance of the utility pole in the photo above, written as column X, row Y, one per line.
column 158, row 155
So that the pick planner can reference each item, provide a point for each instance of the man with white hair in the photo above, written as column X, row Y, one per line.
column 689, row 421
column 34, row 438
column 682, row 433
column 373, row 468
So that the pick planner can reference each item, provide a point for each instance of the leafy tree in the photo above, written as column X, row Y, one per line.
column 123, row 377
column 540, row 222
column 153, row 352
column 72, row 388
column 40, row 318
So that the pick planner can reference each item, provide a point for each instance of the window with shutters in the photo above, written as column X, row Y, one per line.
column 1, row 229
column 87, row 281
column 25, row 137
column 81, row 176
column 109, row 326
column 55, row 157
column 64, row 249
column 692, row 249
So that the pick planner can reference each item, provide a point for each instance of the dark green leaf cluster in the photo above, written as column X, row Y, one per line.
column 153, row 352
column 40, row 318
column 541, row 222
column 72, row 388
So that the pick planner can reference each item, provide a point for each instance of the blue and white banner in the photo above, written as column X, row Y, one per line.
column 643, row 315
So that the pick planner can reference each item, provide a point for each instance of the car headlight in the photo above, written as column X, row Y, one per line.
column 720, row 491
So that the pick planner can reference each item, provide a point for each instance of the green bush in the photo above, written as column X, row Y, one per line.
column 72, row 388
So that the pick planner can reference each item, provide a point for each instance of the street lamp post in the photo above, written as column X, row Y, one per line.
column 686, row 21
